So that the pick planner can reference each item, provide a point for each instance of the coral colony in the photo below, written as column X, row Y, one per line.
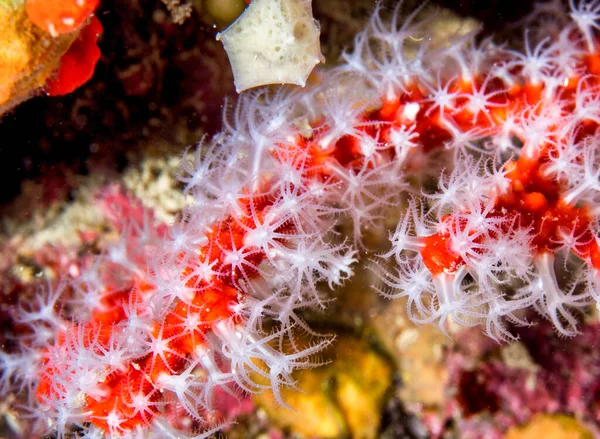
column 153, row 334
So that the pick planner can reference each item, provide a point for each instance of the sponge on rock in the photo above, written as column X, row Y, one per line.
column 273, row 42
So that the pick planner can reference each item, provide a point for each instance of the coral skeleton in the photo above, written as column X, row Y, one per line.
column 486, row 156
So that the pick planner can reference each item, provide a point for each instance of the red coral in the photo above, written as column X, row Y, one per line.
column 78, row 64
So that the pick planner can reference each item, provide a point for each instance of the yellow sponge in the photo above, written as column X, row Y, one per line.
column 28, row 55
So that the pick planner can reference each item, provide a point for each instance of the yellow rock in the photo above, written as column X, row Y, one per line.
column 342, row 398
column 550, row 427
column 418, row 352
column 28, row 55
column 14, row 56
